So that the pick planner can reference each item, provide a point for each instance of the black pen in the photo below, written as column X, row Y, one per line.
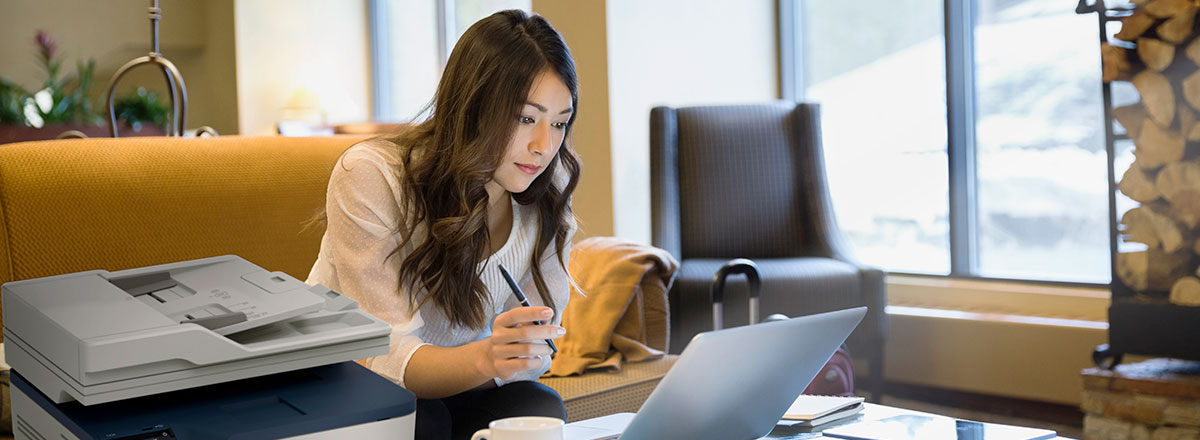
column 521, row 297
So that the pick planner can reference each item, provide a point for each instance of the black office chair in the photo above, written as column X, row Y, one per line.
column 748, row 181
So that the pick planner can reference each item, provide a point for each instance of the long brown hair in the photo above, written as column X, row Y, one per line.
column 448, row 158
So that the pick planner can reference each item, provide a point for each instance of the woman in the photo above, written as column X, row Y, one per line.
column 418, row 224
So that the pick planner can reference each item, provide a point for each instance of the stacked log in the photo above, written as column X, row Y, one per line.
column 1154, row 399
column 1157, row 50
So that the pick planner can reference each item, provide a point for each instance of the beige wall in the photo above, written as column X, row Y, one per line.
column 116, row 31
column 582, row 25
column 708, row 52
column 286, row 45
column 217, row 91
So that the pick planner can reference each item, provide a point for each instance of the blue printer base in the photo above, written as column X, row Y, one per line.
column 289, row 404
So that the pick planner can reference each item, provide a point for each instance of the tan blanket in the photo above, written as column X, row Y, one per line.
column 622, row 313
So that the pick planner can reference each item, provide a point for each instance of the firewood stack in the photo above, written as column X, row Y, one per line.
column 1153, row 399
column 1159, row 53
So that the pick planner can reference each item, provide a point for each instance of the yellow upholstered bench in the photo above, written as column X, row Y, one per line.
column 82, row 204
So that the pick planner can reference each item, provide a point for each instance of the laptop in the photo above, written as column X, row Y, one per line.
column 731, row 384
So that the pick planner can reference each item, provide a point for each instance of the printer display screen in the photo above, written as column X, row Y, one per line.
column 158, row 434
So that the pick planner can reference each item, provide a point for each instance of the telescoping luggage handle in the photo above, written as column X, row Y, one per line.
column 717, row 289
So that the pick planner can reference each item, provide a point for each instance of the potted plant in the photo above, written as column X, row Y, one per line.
column 63, row 103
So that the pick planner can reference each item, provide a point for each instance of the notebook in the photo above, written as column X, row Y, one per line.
column 931, row 427
column 834, row 416
column 810, row 407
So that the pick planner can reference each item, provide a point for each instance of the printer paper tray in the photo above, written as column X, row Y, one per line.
column 59, row 386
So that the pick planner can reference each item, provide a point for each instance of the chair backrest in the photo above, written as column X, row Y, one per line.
column 736, row 180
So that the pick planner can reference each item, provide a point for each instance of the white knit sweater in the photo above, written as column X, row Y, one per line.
column 363, row 207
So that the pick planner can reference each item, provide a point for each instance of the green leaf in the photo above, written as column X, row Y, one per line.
column 11, row 98
column 141, row 106
column 70, row 93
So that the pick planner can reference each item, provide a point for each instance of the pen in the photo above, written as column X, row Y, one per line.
column 524, row 301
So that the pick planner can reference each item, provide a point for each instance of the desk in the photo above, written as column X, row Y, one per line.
column 870, row 412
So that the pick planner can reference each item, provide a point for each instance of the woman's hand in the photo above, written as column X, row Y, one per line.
column 516, row 342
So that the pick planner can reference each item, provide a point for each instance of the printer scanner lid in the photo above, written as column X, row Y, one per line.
column 99, row 327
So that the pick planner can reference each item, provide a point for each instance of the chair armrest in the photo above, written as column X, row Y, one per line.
column 874, row 291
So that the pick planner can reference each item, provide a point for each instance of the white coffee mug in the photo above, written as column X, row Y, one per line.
column 522, row 428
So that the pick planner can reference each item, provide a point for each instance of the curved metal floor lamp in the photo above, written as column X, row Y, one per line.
column 177, row 91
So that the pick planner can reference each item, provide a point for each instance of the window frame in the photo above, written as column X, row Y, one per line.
column 959, row 31
column 380, row 45
column 380, row 49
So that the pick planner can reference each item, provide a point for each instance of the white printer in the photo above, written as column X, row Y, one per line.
column 209, row 348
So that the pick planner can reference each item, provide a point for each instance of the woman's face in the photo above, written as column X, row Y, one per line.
column 541, row 126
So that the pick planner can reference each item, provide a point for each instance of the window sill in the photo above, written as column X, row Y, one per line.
column 999, row 297
column 1001, row 338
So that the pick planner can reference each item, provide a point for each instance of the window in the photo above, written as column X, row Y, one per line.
column 1041, row 161
column 467, row 12
column 962, row 137
column 880, row 80
column 410, row 41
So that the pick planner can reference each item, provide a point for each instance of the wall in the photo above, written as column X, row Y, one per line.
column 117, row 31
column 285, row 46
column 678, row 53
column 583, row 26
column 612, row 129
column 217, row 90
